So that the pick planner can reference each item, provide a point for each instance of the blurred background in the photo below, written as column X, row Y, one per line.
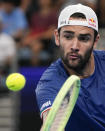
column 27, row 46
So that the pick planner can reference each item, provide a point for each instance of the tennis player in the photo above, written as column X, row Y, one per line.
column 76, row 36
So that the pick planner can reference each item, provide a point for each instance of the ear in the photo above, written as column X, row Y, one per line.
column 96, row 40
column 56, row 35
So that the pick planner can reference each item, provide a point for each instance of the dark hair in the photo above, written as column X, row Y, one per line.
column 80, row 15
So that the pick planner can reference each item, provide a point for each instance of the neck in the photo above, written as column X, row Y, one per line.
column 86, row 72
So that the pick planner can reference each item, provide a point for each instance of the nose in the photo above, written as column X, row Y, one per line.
column 75, row 45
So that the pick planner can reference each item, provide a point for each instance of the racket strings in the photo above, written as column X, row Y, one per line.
column 58, row 118
column 61, row 114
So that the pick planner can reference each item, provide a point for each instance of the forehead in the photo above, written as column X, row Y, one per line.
column 78, row 29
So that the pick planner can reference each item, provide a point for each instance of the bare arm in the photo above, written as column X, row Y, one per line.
column 44, row 118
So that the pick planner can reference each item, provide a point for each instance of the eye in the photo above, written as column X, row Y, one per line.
column 68, row 36
column 84, row 38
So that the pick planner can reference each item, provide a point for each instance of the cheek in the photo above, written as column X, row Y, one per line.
column 65, row 45
column 87, row 46
column 86, row 52
column 64, row 49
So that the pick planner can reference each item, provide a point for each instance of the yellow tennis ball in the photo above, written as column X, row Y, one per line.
column 15, row 81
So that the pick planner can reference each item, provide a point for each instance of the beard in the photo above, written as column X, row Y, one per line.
column 78, row 65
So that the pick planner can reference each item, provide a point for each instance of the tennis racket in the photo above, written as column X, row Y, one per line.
column 63, row 105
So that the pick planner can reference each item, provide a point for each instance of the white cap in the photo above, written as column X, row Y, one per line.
column 91, row 18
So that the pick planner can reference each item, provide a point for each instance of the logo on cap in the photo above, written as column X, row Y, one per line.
column 92, row 20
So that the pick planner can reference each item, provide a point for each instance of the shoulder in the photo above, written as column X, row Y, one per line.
column 99, row 54
column 100, row 60
column 52, row 78
column 53, row 70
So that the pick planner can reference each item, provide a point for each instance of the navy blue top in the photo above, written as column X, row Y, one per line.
column 89, row 111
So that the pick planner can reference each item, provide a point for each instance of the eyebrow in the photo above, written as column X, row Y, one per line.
column 87, row 34
column 71, row 32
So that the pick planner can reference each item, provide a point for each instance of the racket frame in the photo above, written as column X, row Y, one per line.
column 72, row 80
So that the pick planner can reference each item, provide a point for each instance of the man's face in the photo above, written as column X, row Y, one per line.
column 76, row 45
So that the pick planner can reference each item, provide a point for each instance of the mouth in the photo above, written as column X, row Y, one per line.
column 73, row 56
